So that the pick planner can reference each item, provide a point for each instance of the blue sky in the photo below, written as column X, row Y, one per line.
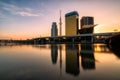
column 22, row 19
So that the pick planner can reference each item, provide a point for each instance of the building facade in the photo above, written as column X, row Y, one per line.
column 86, row 21
column 54, row 30
column 71, row 23
column 87, row 25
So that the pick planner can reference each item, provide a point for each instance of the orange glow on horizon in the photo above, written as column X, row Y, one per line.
column 36, row 21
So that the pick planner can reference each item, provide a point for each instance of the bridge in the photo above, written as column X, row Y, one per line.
column 80, row 38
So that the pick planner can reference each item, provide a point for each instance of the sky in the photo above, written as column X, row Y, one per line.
column 26, row 19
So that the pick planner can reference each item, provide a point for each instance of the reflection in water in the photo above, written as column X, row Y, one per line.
column 72, row 59
column 87, row 56
column 101, row 48
column 60, row 48
column 115, row 49
column 54, row 53
column 35, row 62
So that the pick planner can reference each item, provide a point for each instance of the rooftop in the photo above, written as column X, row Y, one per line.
column 72, row 13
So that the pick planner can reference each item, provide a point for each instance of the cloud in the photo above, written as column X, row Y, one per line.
column 27, row 14
column 15, row 10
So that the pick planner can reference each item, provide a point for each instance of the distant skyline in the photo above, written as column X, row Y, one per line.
column 26, row 19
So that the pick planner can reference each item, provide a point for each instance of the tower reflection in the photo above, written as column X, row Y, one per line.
column 54, row 53
column 87, row 56
column 72, row 59
column 60, row 49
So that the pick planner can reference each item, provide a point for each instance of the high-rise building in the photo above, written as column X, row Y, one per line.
column 54, row 30
column 87, row 25
column 71, row 23
column 87, row 21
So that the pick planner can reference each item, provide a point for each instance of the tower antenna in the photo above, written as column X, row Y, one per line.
column 60, row 24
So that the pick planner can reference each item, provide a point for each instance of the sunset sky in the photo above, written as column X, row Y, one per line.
column 23, row 19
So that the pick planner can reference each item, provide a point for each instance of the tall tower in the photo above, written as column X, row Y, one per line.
column 54, row 30
column 60, row 24
column 71, row 23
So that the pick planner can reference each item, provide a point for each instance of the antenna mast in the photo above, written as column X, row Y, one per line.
column 60, row 24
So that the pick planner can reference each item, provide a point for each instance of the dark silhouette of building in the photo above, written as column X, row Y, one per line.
column 54, row 30
column 54, row 53
column 71, row 23
column 87, row 56
column 86, row 21
column 72, row 59
column 87, row 25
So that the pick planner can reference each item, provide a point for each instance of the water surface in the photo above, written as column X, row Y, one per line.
column 59, row 62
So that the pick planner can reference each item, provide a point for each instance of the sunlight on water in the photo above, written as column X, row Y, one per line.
column 58, row 62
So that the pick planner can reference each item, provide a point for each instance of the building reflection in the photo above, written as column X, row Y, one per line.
column 115, row 49
column 54, row 53
column 72, row 59
column 87, row 56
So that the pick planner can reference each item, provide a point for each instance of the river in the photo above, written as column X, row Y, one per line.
column 59, row 62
